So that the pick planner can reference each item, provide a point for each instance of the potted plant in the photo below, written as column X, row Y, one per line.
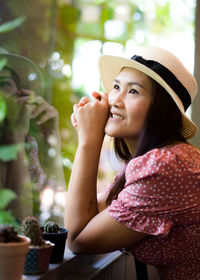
column 40, row 250
column 56, row 235
column 13, row 249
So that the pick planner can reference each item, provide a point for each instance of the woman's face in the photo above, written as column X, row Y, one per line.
column 129, row 102
column 7, row 83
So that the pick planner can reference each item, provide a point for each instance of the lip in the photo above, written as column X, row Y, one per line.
column 115, row 116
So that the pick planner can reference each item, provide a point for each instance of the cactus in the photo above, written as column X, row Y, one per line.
column 31, row 228
column 51, row 227
column 8, row 234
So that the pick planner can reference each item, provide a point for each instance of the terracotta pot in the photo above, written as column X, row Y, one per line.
column 12, row 258
column 59, row 239
column 38, row 258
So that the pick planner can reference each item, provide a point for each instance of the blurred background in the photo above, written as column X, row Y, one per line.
column 65, row 38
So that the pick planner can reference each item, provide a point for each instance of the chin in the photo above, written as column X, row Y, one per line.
column 113, row 134
column 110, row 132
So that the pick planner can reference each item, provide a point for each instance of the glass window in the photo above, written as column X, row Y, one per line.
column 49, row 54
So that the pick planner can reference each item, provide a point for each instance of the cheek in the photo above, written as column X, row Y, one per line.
column 110, row 96
column 138, row 111
column 8, row 92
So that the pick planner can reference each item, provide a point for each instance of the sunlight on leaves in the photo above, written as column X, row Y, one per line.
column 9, row 26
column 6, row 196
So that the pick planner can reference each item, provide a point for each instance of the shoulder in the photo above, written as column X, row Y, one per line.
column 149, row 161
column 163, row 160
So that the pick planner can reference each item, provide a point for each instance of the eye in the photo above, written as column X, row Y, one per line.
column 5, row 84
column 116, row 87
column 134, row 91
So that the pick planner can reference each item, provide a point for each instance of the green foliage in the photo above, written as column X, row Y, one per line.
column 51, row 227
column 69, row 14
column 89, row 29
column 3, row 108
column 10, row 25
column 6, row 217
column 3, row 62
column 9, row 152
column 6, row 196
column 107, row 12
column 98, row 2
column 31, row 228
column 163, row 19
column 8, row 234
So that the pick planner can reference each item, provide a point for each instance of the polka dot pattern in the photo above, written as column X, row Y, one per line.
column 161, row 197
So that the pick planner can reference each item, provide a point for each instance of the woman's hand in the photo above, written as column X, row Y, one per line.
column 37, row 106
column 84, row 100
column 90, row 117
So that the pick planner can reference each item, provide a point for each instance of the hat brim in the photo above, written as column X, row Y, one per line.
column 110, row 66
column 28, row 72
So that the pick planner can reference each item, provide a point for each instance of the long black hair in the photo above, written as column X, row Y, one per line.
column 162, row 127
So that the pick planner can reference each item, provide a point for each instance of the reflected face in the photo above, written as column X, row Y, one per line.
column 7, row 83
column 129, row 102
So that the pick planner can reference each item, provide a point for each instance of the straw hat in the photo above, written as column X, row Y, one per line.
column 163, row 67
column 28, row 72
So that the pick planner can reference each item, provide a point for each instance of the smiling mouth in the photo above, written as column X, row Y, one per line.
column 116, row 116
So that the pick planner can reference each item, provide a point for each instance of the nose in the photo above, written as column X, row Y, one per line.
column 116, row 99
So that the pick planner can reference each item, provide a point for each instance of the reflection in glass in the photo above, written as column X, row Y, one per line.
column 32, row 123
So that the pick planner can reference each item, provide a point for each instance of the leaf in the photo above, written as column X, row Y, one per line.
column 3, row 62
column 9, row 152
column 3, row 108
column 6, row 217
column 6, row 196
column 10, row 25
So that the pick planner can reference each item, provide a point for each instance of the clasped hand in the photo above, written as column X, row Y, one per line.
column 31, row 106
column 36, row 106
column 90, row 117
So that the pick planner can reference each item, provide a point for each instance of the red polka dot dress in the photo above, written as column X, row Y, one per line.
column 161, row 197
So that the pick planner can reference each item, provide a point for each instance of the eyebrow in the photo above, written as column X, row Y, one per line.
column 131, row 83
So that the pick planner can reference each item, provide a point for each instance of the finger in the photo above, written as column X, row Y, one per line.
column 28, row 96
column 84, row 100
column 31, row 98
column 75, row 108
column 97, row 95
column 38, row 110
column 73, row 120
column 39, row 100
column 44, row 118
column 22, row 99
column 27, row 92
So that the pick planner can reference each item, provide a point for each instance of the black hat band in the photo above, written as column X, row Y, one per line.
column 168, row 77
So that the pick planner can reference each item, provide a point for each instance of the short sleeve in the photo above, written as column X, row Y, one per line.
column 151, row 201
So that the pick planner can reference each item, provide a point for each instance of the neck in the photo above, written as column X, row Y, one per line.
column 131, row 145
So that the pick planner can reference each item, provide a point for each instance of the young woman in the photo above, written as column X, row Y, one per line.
column 33, row 123
column 153, row 206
